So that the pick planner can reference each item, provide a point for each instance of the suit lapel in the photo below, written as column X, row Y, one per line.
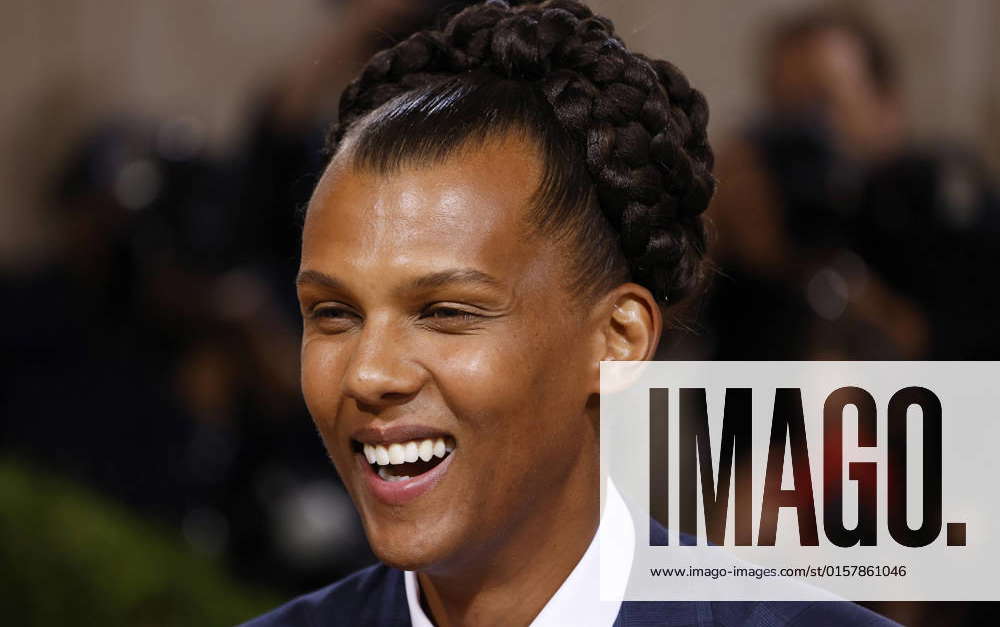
column 663, row 613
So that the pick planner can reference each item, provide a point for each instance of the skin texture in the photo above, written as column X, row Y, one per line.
column 508, row 366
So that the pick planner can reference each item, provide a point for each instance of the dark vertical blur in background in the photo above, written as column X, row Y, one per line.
column 158, row 466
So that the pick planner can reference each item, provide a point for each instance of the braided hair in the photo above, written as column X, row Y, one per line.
column 622, row 138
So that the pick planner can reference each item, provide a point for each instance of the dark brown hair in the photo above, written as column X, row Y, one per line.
column 626, row 162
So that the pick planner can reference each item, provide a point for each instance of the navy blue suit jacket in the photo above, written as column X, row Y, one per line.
column 376, row 596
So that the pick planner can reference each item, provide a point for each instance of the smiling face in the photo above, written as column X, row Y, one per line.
column 438, row 328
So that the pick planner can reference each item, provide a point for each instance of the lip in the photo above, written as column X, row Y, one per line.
column 401, row 492
column 397, row 433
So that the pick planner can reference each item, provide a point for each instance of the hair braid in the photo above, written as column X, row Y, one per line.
column 636, row 122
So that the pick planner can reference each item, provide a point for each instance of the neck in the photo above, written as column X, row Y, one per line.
column 510, row 582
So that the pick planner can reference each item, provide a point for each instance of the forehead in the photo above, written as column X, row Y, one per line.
column 468, row 209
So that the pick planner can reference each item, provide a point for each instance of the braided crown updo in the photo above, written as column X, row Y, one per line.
column 625, row 158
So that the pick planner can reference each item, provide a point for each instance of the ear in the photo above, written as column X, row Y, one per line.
column 629, row 327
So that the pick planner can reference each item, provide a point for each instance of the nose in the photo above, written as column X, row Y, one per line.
column 382, row 371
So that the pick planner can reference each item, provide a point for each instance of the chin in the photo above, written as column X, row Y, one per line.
column 403, row 547
column 408, row 505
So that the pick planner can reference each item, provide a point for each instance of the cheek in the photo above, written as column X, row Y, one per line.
column 521, row 389
column 482, row 377
column 322, row 368
column 478, row 368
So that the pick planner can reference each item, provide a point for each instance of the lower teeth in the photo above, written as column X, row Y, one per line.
column 385, row 476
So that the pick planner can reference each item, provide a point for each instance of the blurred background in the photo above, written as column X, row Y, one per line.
column 157, row 464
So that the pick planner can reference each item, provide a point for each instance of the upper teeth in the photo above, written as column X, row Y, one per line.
column 403, row 452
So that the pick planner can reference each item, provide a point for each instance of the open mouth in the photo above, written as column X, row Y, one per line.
column 400, row 461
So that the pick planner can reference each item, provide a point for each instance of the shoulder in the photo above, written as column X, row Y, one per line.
column 733, row 613
column 373, row 596
column 813, row 614
column 752, row 614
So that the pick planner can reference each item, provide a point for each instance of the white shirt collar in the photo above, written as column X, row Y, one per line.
column 578, row 601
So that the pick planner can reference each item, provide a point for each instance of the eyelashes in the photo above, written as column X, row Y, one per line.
column 333, row 319
column 338, row 318
column 332, row 312
column 444, row 313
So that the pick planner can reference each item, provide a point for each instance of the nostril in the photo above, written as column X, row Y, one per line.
column 386, row 399
column 380, row 377
column 367, row 408
column 396, row 395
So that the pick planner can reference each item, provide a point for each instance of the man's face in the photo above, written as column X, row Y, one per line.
column 437, row 327
column 826, row 72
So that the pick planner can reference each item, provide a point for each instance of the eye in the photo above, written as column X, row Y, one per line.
column 330, row 312
column 448, row 317
column 450, row 313
column 334, row 318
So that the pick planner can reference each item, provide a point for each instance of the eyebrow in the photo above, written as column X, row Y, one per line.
column 306, row 277
column 427, row 281
column 448, row 277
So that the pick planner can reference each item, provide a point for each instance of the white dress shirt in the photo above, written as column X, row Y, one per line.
column 604, row 567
